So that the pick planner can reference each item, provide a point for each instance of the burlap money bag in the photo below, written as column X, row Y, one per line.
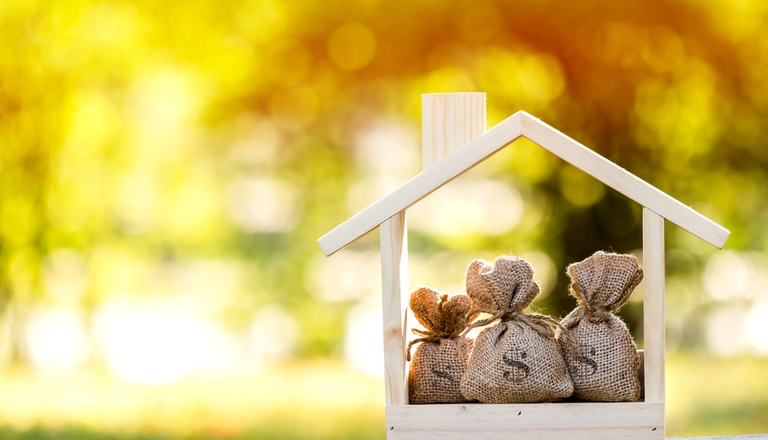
column 517, row 359
column 441, row 357
column 606, row 369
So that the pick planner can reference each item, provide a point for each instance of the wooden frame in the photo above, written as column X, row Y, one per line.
column 453, row 141
column 523, row 124
column 653, row 305
column 394, row 278
column 531, row 421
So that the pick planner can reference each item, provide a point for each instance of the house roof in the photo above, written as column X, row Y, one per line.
column 515, row 126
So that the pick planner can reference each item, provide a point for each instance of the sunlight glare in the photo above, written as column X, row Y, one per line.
column 56, row 340
column 363, row 339
column 152, row 343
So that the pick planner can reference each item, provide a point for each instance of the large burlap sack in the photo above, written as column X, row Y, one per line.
column 518, row 359
column 441, row 357
column 607, row 367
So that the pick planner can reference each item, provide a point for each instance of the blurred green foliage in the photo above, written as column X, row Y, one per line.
column 143, row 139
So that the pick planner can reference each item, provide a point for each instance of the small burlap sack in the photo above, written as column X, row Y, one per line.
column 441, row 357
column 518, row 359
column 607, row 367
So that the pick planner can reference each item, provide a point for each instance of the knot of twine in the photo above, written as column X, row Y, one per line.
column 428, row 336
column 545, row 325
column 594, row 314
column 455, row 324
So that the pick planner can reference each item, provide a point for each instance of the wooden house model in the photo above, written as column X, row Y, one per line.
column 454, row 139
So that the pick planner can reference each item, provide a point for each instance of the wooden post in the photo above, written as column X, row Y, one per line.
column 653, row 305
column 394, row 279
column 448, row 122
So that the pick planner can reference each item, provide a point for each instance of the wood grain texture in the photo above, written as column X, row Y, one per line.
column 653, row 305
column 572, row 420
column 448, row 122
column 523, row 124
column 644, row 433
column 394, row 279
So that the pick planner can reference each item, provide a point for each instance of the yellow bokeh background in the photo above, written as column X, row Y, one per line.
column 166, row 168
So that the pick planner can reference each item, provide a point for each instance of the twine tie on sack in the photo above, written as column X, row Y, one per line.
column 428, row 336
column 434, row 336
column 594, row 314
column 545, row 325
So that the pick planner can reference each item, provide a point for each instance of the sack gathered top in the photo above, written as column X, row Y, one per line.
column 606, row 366
column 518, row 358
column 440, row 360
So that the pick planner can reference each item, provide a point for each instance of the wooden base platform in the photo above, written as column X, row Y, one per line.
column 537, row 421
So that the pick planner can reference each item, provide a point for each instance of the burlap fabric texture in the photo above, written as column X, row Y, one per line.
column 441, row 357
column 606, row 369
column 518, row 359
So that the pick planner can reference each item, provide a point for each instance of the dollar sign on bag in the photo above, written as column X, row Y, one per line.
column 444, row 374
column 513, row 358
column 587, row 350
